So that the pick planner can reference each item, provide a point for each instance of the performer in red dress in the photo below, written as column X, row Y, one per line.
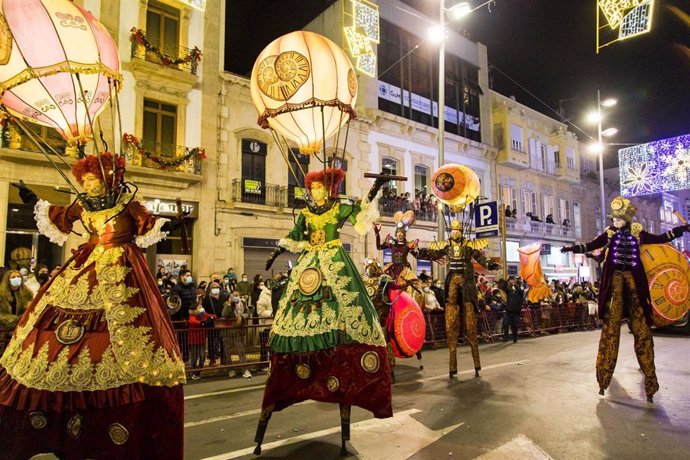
column 93, row 369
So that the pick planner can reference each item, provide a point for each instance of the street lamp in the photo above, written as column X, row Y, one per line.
column 438, row 34
column 597, row 117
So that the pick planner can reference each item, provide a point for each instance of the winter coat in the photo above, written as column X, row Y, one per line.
column 264, row 309
column 198, row 328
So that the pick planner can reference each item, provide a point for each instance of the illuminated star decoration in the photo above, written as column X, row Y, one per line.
column 629, row 18
column 660, row 166
column 363, row 31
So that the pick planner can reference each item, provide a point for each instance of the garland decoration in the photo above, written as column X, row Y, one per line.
column 193, row 55
column 130, row 141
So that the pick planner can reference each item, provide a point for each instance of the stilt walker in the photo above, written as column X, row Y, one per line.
column 624, row 292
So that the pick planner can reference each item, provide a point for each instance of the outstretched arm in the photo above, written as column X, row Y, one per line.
column 598, row 242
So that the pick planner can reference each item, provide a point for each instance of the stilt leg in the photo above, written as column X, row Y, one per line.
column 261, row 428
column 344, row 428
column 419, row 358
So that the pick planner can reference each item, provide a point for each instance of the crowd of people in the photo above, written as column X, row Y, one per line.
column 425, row 206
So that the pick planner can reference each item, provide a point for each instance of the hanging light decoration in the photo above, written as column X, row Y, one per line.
column 58, row 65
column 455, row 185
column 304, row 88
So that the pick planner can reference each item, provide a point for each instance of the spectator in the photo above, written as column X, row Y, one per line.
column 535, row 218
column 430, row 301
column 55, row 270
column 42, row 274
column 566, row 223
column 424, row 277
column 232, row 276
column 162, row 288
column 228, row 286
column 514, row 213
column 201, row 289
column 508, row 211
column 244, row 286
column 549, row 219
column 199, row 322
column 264, row 310
column 257, row 287
column 30, row 280
column 514, row 301
column 236, row 312
column 161, row 272
column 497, row 304
column 15, row 297
column 185, row 290
column 213, row 304
column 439, row 293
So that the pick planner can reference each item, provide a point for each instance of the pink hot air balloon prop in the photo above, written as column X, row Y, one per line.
column 406, row 326
column 58, row 65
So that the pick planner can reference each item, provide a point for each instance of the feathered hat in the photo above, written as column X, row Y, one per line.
column 331, row 178
column 622, row 208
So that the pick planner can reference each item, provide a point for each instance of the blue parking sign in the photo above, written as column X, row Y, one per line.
column 486, row 219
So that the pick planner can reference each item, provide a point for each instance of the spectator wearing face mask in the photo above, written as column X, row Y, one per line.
column 213, row 304
column 264, row 310
column 42, row 274
column 15, row 297
column 244, row 286
column 235, row 310
column 30, row 280
column 186, row 291
column 199, row 323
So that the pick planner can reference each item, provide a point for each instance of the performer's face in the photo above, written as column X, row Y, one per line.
column 93, row 186
column 318, row 191
column 619, row 223
column 455, row 234
column 400, row 235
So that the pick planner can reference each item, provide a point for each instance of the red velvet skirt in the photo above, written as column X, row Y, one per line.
column 353, row 375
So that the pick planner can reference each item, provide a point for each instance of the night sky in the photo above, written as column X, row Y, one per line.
column 547, row 46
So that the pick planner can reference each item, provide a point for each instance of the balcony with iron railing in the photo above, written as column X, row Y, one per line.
column 170, row 56
column 389, row 208
column 526, row 227
column 252, row 191
column 165, row 157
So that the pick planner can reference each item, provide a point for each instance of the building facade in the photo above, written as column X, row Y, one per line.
column 168, row 103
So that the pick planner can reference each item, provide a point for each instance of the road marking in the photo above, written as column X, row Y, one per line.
column 436, row 377
column 223, row 392
column 369, row 436
column 221, row 418
column 519, row 447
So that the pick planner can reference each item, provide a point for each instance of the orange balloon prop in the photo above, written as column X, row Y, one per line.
column 455, row 185
column 530, row 271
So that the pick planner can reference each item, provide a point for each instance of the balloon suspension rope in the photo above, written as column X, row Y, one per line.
column 282, row 148
column 41, row 147
column 119, row 113
column 95, row 144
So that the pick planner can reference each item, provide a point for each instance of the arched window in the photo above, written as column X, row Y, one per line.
column 391, row 167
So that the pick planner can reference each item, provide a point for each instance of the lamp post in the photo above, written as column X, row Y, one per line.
column 599, row 147
column 438, row 33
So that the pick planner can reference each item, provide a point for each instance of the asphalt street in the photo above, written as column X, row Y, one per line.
column 536, row 399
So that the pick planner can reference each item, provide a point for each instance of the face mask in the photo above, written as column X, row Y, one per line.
column 244, row 278
column 188, row 280
column 160, row 282
column 215, row 291
column 42, row 277
column 23, row 271
column 15, row 282
column 226, row 281
column 200, row 312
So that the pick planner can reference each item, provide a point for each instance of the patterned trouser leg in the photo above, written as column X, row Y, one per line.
column 453, row 320
column 621, row 284
column 471, row 332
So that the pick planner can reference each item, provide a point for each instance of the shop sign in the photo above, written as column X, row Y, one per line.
column 252, row 186
column 168, row 208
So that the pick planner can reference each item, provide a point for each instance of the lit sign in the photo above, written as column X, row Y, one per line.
column 660, row 166
column 362, row 30
column 629, row 18
column 198, row 4
column 169, row 208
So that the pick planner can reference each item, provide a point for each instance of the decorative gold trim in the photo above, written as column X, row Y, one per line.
column 74, row 426
column 38, row 420
column 370, row 362
column 333, row 384
column 303, row 371
column 118, row 434
column 31, row 73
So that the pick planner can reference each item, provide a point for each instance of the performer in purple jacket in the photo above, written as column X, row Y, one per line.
column 624, row 291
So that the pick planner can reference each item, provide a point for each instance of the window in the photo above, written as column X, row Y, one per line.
column 564, row 209
column 570, row 157
column 516, row 138
column 390, row 166
column 576, row 215
column 160, row 127
column 299, row 165
column 557, row 158
column 163, row 27
column 421, row 179
column 342, row 164
column 253, row 170
column 508, row 196
column 529, row 202
column 544, row 157
column 547, row 202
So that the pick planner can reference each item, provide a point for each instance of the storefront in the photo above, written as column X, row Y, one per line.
column 168, row 253
column 24, row 246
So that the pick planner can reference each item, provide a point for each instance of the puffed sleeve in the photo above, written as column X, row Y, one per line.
column 149, row 226
column 363, row 215
column 55, row 222
column 597, row 243
column 294, row 241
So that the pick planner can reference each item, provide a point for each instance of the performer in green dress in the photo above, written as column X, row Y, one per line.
column 326, row 341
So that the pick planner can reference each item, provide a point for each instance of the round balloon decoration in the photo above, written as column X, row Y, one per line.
column 455, row 185
column 668, row 274
column 304, row 87
column 406, row 326
column 47, row 47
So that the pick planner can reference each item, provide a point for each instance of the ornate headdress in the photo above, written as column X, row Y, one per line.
column 330, row 178
column 403, row 220
column 90, row 164
column 622, row 208
column 455, row 225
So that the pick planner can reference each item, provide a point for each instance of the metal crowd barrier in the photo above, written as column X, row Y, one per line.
column 534, row 320
column 225, row 346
